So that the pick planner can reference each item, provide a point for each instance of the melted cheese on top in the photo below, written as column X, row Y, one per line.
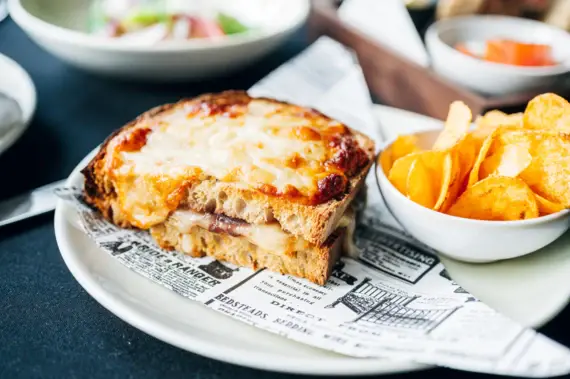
column 266, row 144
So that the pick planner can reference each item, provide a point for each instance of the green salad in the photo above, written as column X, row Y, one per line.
column 152, row 21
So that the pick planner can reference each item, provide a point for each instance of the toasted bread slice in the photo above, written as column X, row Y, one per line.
column 256, row 159
column 312, row 262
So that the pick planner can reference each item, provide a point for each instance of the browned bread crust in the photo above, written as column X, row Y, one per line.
column 313, row 222
column 314, row 263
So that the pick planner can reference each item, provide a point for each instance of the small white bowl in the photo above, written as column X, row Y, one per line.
column 494, row 78
column 465, row 239
column 60, row 28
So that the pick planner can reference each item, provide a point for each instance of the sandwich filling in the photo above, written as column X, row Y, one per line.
column 253, row 181
column 270, row 237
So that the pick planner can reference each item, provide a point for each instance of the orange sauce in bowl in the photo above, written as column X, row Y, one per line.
column 513, row 53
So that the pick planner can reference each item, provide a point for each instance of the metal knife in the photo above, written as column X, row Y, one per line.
column 38, row 201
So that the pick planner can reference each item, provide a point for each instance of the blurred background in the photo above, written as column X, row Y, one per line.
column 554, row 12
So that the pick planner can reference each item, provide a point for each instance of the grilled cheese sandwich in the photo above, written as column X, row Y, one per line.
column 256, row 171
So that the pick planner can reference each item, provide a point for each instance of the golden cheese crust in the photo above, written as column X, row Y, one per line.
column 256, row 159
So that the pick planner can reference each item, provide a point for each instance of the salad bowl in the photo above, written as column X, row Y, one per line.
column 63, row 29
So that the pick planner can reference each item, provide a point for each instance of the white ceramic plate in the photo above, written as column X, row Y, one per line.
column 16, row 83
column 531, row 289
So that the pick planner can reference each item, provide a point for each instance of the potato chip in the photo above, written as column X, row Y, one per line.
column 497, row 198
column 386, row 160
column 464, row 153
column 546, row 207
column 491, row 121
column 402, row 146
column 448, row 176
column 456, row 126
column 467, row 150
column 549, row 173
column 439, row 166
column 419, row 187
column 456, row 180
column 494, row 119
column 505, row 137
column 474, row 174
column 547, row 112
column 510, row 161
column 398, row 174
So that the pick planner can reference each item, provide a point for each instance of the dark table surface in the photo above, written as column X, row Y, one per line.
column 49, row 326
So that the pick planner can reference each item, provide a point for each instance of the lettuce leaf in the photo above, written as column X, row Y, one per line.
column 230, row 25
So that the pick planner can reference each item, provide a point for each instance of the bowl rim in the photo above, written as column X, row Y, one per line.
column 433, row 36
column 380, row 176
column 31, row 23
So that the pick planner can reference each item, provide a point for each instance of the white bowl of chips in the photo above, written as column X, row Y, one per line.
column 498, row 191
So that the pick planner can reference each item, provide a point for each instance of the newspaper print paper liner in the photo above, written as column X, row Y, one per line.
column 396, row 301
